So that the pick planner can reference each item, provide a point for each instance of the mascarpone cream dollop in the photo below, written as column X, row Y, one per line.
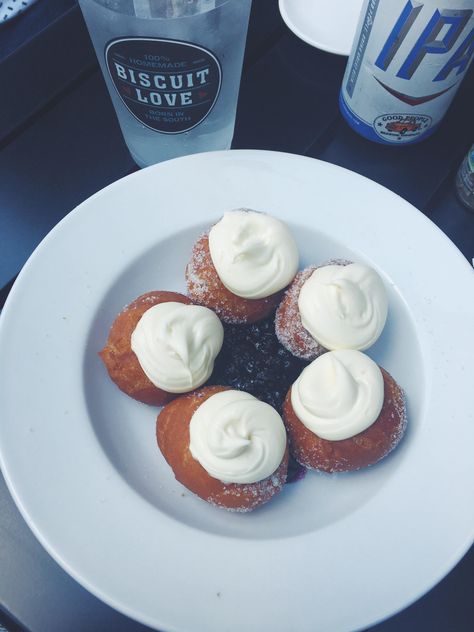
column 338, row 395
column 344, row 307
column 176, row 345
column 254, row 254
column 237, row 438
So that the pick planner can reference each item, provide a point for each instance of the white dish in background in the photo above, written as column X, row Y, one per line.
column 331, row 552
column 326, row 24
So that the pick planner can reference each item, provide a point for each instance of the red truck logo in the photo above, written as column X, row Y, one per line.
column 402, row 127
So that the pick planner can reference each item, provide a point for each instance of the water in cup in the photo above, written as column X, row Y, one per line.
column 173, row 71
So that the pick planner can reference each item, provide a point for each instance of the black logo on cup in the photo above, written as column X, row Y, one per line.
column 169, row 86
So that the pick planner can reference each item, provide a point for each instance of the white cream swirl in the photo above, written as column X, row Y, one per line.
column 344, row 307
column 254, row 254
column 338, row 395
column 176, row 345
column 237, row 438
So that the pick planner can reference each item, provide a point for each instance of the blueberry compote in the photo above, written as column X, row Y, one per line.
column 253, row 360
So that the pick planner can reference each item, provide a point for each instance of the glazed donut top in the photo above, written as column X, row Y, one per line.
column 344, row 306
column 176, row 345
column 338, row 395
column 253, row 253
column 237, row 438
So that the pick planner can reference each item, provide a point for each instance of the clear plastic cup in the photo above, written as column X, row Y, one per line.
column 173, row 71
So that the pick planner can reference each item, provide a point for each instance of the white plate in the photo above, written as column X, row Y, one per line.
column 326, row 24
column 331, row 552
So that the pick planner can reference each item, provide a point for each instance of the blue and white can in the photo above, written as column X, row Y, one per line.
column 407, row 62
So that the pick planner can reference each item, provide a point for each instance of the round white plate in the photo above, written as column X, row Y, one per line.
column 331, row 552
column 326, row 24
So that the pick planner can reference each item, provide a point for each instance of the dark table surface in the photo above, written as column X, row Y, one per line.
column 60, row 142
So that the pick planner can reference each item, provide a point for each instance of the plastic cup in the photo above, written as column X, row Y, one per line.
column 172, row 68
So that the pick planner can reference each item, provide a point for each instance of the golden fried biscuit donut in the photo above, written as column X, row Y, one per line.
column 206, row 288
column 337, row 305
column 122, row 363
column 288, row 326
column 173, row 436
column 361, row 450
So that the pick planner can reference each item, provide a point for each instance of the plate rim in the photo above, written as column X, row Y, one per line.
column 17, row 289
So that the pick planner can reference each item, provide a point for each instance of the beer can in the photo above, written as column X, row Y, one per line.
column 407, row 61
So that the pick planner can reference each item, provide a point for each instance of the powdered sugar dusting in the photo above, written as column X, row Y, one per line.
column 252, row 494
column 399, row 416
column 336, row 262
column 288, row 326
column 198, row 286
